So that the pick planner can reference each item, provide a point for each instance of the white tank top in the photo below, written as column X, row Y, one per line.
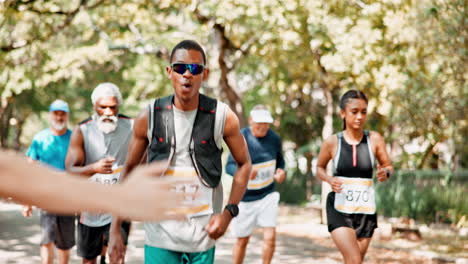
column 98, row 145
column 188, row 235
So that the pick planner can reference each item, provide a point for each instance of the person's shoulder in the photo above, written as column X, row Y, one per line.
column 375, row 136
column 122, row 116
column 85, row 121
column 333, row 139
column 68, row 132
column 209, row 97
column 124, row 119
column 221, row 103
column 41, row 135
column 245, row 131
column 273, row 134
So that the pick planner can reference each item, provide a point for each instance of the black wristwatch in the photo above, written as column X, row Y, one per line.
column 233, row 209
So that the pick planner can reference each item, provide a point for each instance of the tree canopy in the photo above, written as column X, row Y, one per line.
column 296, row 56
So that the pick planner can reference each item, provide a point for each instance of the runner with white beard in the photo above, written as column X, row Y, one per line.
column 98, row 150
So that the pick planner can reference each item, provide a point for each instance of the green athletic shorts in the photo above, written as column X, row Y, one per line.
column 154, row 255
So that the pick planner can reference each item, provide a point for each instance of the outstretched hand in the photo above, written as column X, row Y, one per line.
column 151, row 196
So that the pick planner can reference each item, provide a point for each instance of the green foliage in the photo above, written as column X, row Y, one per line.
column 293, row 190
column 409, row 57
column 427, row 196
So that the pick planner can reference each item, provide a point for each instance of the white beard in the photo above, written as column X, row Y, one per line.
column 58, row 125
column 108, row 126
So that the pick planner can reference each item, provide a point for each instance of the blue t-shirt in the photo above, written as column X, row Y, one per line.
column 261, row 150
column 50, row 149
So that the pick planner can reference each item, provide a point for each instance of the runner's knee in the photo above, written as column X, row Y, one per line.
column 242, row 242
column 48, row 245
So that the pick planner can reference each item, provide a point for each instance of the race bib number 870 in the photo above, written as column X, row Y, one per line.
column 357, row 196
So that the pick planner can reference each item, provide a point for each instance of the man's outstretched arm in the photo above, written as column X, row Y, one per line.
column 66, row 194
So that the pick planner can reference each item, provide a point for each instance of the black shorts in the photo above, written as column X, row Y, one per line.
column 363, row 224
column 125, row 227
column 57, row 229
column 90, row 240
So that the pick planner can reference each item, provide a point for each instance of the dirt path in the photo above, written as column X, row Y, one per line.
column 299, row 241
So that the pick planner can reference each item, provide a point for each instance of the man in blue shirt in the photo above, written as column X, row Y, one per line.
column 259, row 206
column 50, row 147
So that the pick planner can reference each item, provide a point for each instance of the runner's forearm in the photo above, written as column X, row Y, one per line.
column 322, row 174
column 87, row 170
column 239, row 183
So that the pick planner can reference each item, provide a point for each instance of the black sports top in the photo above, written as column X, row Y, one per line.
column 356, row 161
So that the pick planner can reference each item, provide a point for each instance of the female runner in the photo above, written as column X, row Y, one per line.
column 351, row 206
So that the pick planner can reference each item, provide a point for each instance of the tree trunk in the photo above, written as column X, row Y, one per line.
column 19, row 132
column 426, row 155
column 327, row 131
column 224, row 45
column 231, row 95
column 7, row 111
column 309, row 175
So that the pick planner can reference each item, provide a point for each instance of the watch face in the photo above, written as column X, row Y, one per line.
column 236, row 210
column 233, row 209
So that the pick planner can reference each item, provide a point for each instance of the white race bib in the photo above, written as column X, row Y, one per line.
column 357, row 196
column 265, row 173
column 112, row 178
column 97, row 219
column 198, row 198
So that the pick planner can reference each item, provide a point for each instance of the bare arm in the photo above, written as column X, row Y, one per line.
column 382, row 157
column 66, row 193
column 75, row 160
column 325, row 155
column 238, row 147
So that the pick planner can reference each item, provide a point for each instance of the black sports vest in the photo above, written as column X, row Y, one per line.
column 355, row 161
column 205, row 155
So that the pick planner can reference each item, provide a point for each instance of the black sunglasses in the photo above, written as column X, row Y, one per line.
column 194, row 68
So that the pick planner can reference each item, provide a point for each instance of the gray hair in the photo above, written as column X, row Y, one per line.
column 106, row 90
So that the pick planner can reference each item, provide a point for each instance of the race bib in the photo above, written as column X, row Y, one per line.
column 265, row 173
column 97, row 219
column 111, row 178
column 198, row 198
column 357, row 196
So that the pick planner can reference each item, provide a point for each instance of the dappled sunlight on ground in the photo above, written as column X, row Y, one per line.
column 301, row 239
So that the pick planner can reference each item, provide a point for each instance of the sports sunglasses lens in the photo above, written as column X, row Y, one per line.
column 195, row 68
column 179, row 68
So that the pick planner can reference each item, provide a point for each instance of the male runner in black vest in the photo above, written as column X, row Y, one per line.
column 186, row 129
